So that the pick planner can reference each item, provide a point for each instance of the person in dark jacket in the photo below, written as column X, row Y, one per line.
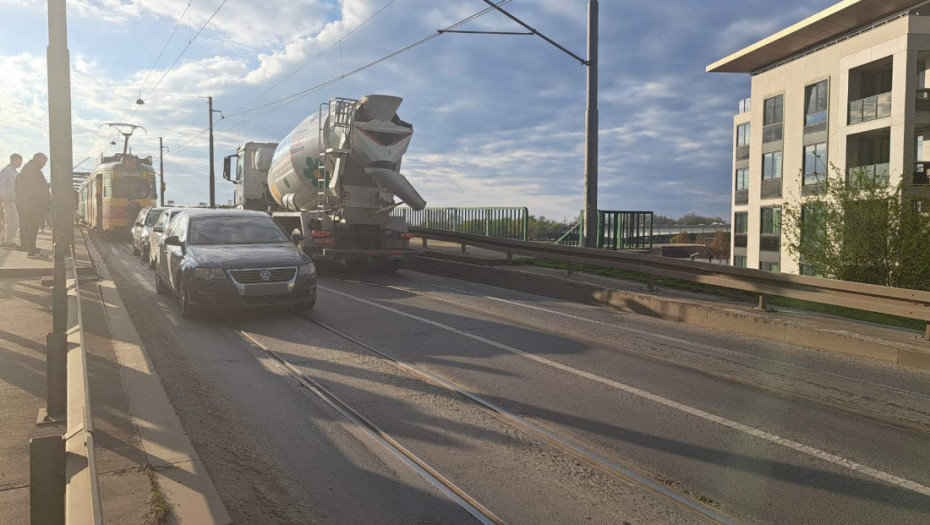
column 32, row 202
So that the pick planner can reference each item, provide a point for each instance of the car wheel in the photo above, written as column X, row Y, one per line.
column 184, row 302
column 145, row 254
column 135, row 251
column 305, row 307
column 160, row 287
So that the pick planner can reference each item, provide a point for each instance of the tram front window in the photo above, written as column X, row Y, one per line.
column 133, row 188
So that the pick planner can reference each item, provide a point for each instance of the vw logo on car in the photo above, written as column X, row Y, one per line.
column 265, row 275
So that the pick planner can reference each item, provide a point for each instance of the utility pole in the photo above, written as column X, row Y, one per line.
column 590, row 214
column 212, row 174
column 591, row 219
column 62, row 186
column 161, row 171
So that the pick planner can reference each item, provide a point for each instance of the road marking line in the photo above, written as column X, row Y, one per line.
column 707, row 416
column 647, row 333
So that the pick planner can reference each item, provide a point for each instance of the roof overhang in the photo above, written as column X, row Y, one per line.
column 836, row 20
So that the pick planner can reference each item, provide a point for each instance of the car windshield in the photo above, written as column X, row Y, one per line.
column 236, row 230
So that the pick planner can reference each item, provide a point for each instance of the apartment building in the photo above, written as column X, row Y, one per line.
column 845, row 87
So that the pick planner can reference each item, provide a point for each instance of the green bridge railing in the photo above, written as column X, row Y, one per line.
column 502, row 223
column 616, row 230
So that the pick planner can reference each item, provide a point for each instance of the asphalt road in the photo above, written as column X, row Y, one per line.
column 751, row 430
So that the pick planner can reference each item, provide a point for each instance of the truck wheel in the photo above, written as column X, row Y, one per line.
column 386, row 266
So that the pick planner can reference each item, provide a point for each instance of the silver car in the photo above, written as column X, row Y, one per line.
column 141, row 229
column 158, row 231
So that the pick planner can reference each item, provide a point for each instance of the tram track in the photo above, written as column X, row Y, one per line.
column 471, row 505
column 579, row 452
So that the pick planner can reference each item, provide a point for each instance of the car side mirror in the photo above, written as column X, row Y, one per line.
column 158, row 229
column 227, row 168
column 297, row 237
column 173, row 240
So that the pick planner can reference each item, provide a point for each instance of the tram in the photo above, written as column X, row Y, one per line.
column 117, row 190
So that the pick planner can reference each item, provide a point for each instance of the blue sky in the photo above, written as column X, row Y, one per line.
column 498, row 121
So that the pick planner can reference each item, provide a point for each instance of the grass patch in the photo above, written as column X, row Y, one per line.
column 738, row 295
column 158, row 505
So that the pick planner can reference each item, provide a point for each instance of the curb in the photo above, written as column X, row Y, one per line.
column 182, row 476
column 681, row 310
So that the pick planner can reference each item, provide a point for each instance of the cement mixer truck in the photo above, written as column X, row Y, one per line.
column 335, row 179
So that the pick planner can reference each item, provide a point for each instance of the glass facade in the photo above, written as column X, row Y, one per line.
column 771, row 165
column 815, row 163
column 742, row 179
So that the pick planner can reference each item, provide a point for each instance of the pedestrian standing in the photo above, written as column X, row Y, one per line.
column 33, row 201
column 8, row 178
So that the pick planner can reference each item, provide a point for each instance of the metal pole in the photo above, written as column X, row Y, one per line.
column 591, row 128
column 212, row 175
column 161, row 170
column 59, row 123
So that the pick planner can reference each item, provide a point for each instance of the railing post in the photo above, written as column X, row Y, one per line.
column 651, row 282
column 56, row 377
column 463, row 248
column 509, row 258
column 927, row 333
column 526, row 223
column 424, row 243
column 570, row 268
column 47, row 481
column 764, row 303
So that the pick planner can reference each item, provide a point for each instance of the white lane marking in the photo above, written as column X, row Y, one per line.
column 647, row 333
column 707, row 416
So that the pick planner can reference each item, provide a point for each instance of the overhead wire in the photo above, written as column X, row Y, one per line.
column 284, row 101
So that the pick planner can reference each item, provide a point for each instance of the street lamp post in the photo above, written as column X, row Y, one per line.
column 161, row 170
column 591, row 219
column 62, row 186
column 212, row 171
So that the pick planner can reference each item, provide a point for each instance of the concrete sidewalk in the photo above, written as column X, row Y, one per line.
column 14, row 263
column 148, row 472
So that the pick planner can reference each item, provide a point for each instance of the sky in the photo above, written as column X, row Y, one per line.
column 498, row 120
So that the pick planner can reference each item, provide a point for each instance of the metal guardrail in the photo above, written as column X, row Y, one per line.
column 504, row 223
column 64, row 487
column 913, row 304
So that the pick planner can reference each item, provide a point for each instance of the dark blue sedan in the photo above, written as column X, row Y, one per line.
column 213, row 259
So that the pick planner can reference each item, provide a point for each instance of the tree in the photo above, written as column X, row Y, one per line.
column 720, row 245
column 861, row 229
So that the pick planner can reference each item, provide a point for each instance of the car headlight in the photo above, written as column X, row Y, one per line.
column 307, row 269
column 209, row 274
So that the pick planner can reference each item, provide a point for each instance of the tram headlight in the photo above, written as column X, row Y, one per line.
column 210, row 274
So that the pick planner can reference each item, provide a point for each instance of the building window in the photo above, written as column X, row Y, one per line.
column 741, row 222
column 771, row 221
column 771, row 165
column 770, row 266
column 742, row 135
column 815, row 163
column 742, row 179
column 773, row 115
column 739, row 261
column 815, row 106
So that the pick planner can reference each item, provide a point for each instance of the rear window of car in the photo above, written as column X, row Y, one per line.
column 152, row 217
column 236, row 230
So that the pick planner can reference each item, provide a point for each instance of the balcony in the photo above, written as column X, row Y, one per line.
column 870, row 108
column 923, row 100
column 744, row 106
column 742, row 152
column 872, row 173
column 921, row 175
column 741, row 197
column 772, row 132
column 770, row 243
column 814, row 122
